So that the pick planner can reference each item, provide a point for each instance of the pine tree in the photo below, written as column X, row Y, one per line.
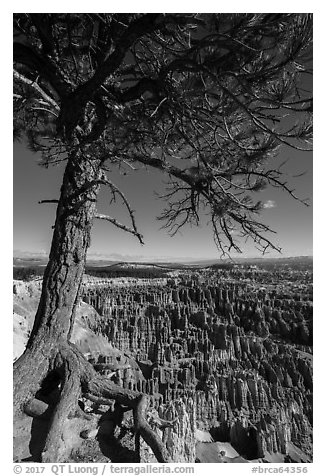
column 217, row 93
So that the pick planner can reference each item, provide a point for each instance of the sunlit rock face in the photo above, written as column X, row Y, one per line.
column 217, row 356
column 180, row 438
column 230, row 354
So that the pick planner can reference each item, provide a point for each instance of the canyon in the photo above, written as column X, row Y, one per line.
column 225, row 355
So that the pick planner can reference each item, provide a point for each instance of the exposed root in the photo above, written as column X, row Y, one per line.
column 107, row 423
column 150, row 437
column 54, row 446
column 38, row 409
column 78, row 377
column 103, row 389
column 98, row 386
column 29, row 371
column 137, row 446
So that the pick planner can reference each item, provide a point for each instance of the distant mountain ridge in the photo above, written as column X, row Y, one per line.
column 41, row 260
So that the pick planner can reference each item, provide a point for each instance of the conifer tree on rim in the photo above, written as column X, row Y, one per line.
column 207, row 99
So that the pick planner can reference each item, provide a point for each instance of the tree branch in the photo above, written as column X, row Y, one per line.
column 115, row 189
column 48, row 201
column 139, row 27
column 36, row 87
column 44, row 66
column 146, row 432
column 41, row 23
column 115, row 222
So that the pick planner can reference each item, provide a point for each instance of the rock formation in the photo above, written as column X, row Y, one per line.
column 216, row 351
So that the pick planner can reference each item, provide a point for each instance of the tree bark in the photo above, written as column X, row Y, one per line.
column 63, row 275
column 48, row 349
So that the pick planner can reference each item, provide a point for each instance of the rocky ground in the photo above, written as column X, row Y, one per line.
column 226, row 359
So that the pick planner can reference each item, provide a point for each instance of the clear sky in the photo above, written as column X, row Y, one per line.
column 32, row 222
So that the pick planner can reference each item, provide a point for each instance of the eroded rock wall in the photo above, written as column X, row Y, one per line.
column 221, row 357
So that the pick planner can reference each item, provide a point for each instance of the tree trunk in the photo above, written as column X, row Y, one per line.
column 49, row 352
column 63, row 275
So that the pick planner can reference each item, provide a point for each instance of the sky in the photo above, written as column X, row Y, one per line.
column 32, row 222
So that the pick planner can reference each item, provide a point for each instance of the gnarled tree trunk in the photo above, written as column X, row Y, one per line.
column 63, row 275
column 49, row 351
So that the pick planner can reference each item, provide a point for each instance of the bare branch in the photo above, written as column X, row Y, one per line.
column 48, row 201
column 37, row 88
column 115, row 222
column 44, row 66
column 116, row 190
column 45, row 110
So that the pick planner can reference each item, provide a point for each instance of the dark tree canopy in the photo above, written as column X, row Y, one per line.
column 208, row 99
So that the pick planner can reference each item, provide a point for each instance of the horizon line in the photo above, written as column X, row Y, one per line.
column 168, row 259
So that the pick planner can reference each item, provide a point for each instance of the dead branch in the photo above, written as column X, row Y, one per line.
column 48, row 201
column 115, row 222
column 37, row 88
column 116, row 190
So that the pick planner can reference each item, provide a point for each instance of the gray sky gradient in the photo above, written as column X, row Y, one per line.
column 32, row 222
